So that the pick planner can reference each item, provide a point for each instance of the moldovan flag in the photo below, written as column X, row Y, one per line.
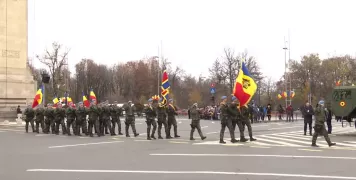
column 338, row 83
column 38, row 97
column 85, row 100
column 292, row 94
column 92, row 96
column 245, row 87
column 55, row 101
column 279, row 96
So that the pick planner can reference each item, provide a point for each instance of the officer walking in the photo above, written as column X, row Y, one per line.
column 59, row 114
column 161, row 119
column 319, row 128
column 49, row 121
column 30, row 114
column 329, row 115
column 81, row 120
column 93, row 119
column 235, row 116
column 171, row 111
column 151, row 114
column 225, row 121
column 115, row 118
column 245, row 121
column 195, row 123
column 39, row 118
column 70, row 113
column 106, row 118
column 308, row 113
column 130, row 118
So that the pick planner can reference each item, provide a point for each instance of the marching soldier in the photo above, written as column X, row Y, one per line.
column 115, row 118
column 59, row 114
column 106, row 118
column 162, row 120
column 150, row 120
column 319, row 128
column 81, row 120
column 39, row 118
column 195, row 123
column 70, row 113
column 93, row 119
column 100, row 120
column 235, row 116
column 171, row 111
column 225, row 121
column 49, row 121
column 30, row 114
column 130, row 118
column 246, row 121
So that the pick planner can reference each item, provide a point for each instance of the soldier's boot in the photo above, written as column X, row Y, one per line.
column 252, row 139
column 203, row 137
column 127, row 131
column 191, row 135
column 148, row 134
column 68, row 129
column 106, row 130
column 332, row 144
column 314, row 145
column 176, row 132
column 153, row 136
column 222, row 131
column 222, row 141
column 243, row 139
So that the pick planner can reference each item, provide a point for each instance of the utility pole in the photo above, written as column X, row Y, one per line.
column 289, row 74
column 285, row 70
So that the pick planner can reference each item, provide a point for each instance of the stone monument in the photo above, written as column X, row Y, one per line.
column 17, row 86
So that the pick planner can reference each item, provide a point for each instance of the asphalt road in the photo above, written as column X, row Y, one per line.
column 280, row 152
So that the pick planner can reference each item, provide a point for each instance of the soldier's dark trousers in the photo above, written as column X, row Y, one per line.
column 195, row 125
column 227, row 123
column 53, row 128
column 91, row 125
column 249, row 128
column 172, row 121
column 163, row 122
column 306, row 123
column 130, row 121
column 107, row 126
column 269, row 117
column 47, row 125
column 70, row 122
column 84, row 126
column 32, row 125
column 114, row 122
column 38, row 123
column 99, row 124
column 151, row 122
column 78, row 125
column 60, row 122
column 328, row 122
column 43, row 124
column 321, row 131
column 239, row 125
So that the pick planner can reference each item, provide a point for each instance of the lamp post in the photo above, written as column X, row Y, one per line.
column 285, row 72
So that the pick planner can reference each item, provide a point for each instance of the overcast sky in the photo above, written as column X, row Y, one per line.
column 193, row 32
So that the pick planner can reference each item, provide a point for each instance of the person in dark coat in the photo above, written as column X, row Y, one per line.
column 308, row 113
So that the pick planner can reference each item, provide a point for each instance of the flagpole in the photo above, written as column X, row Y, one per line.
column 43, row 94
column 158, row 74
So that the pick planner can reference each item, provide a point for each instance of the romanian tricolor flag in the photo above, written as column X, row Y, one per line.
column 165, row 87
column 279, row 96
column 85, row 100
column 292, row 94
column 338, row 83
column 92, row 95
column 38, row 97
column 284, row 94
column 245, row 87
column 55, row 101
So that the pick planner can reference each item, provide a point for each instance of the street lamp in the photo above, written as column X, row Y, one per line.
column 285, row 72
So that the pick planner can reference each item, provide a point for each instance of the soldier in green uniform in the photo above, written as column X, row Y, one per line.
column 59, row 114
column 106, row 118
column 236, row 118
column 151, row 114
column 171, row 112
column 319, row 128
column 49, row 121
column 130, row 118
column 162, row 120
column 115, row 118
column 70, row 113
column 30, row 114
column 81, row 114
column 246, row 121
column 39, row 118
column 225, row 121
column 100, row 122
column 195, row 124
column 93, row 119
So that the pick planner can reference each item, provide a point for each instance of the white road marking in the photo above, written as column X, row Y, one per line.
column 284, row 128
column 213, row 122
column 2, row 131
column 138, row 123
column 204, row 127
column 12, row 130
column 180, row 122
column 212, row 132
column 260, row 147
column 277, row 142
column 143, row 140
column 315, row 150
column 353, row 142
column 258, row 155
column 86, row 144
column 290, row 140
column 43, row 135
column 259, row 143
column 178, row 142
column 193, row 172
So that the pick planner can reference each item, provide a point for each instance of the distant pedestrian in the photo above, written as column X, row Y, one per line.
column 308, row 113
column 269, row 112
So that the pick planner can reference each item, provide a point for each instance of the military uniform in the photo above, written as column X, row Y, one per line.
column 49, row 121
column 100, row 122
column 81, row 114
column 106, row 118
column 59, row 114
column 70, row 113
column 30, row 114
column 162, row 120
column 245, row 121
column 235, row 116
column 150, row 121
column 130, row 119
column 225, row 122
column 195, row 123
column 319, row 128
column 115, row 118
column 39, row 119
column 171, row 112
column 93, row 119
